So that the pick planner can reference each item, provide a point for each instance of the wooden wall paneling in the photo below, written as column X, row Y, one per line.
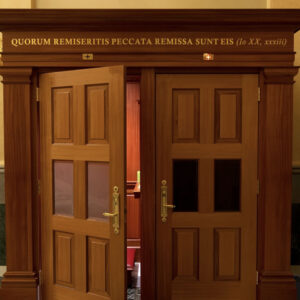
column 133, row 130
column 133, row 217
column 20, row 178
column 148, row 187
column 276, row 281
column 133, row 158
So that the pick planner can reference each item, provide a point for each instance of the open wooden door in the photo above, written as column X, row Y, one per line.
column 82, row 187
column 207, row 167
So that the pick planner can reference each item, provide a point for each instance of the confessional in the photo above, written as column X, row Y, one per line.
column 198, row 101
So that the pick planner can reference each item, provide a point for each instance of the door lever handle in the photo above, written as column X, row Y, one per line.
column 169, row 205
column 164, row 201
column 116, row 210
column 106, row 214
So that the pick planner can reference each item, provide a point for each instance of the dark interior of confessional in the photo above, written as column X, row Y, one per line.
column 133, row 189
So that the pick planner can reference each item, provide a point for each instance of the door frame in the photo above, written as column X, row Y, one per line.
column 276, row 70
column 270, row 79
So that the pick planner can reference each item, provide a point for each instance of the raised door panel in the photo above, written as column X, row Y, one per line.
column 97, row 114
column 227, row 253
column 228, row 115
column 185, row 115
column 64, row 259
column 62, row 112
column 98, row 266
column 185, row 254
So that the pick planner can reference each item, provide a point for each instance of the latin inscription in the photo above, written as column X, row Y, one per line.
column 143, row 41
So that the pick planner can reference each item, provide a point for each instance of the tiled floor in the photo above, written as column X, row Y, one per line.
column 133, row 294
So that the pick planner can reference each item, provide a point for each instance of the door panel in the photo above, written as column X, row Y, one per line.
column 206, row 167
column 83, row 159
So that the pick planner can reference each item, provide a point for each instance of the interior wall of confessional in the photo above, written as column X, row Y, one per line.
column 191, row 4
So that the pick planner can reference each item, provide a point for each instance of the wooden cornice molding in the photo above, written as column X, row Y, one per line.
column 280, row 75
column 150, row 19
column 15, row 75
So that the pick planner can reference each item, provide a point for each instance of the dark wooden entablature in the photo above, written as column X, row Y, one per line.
column 150, row 19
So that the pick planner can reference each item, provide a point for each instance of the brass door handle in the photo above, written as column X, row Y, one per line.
column 116, row 210
column 164, row 201
column 109, row 215
column 169, row 205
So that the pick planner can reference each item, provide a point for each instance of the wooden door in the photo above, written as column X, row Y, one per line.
column 83, row 174
column 207, row 167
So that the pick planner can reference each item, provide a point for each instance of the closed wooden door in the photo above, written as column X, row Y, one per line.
column 207, row 167
column 82, row 154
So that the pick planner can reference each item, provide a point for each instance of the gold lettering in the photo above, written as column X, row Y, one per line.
column 14, row 42
column 156, row 41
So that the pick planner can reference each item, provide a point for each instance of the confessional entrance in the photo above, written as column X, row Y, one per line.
column 206, row 184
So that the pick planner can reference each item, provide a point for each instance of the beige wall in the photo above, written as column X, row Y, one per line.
column 296, row 135
column 284, row 4
column 1, row 127
column 150, row 4
column 16, row 3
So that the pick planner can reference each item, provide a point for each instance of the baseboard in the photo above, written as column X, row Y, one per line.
column 18, row 294
column 277, row 286
column 277, row 291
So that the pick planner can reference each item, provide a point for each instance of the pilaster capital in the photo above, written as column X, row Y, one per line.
column 15, row 75
column 280, row 75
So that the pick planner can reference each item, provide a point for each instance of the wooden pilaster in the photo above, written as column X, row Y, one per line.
column 20, row 278
column 276, row 281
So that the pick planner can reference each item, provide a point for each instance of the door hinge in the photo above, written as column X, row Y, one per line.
column 258, row 187
column 259, row 96
column 37, row 94
column 256, row 277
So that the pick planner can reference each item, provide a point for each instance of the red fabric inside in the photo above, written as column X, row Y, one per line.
column 130, row 257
